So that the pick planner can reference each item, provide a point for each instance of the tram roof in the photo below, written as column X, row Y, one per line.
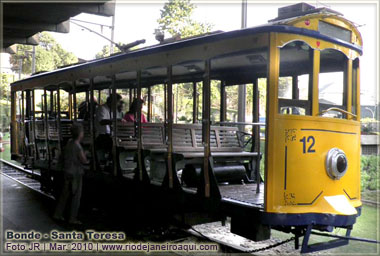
column 83, row 70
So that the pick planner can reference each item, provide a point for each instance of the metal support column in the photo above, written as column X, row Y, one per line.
column 130, row 97
column 47, row 129
column 28, row 101
column 23, row 118
column 256, row 116
column 149, row 104
column 51, row 110
column 195, row 103
column 34, row 123
column 75, row 100
column 22, row 107
column 295, row 91
column 170, row 125
column 165, row 103
column 206, row 128
column 14, row 137
column 58, row 120
column 223, row 101
column 114, row 126
column 256, row 131
column 92, row 127
column 70, row 106
column 140, row 159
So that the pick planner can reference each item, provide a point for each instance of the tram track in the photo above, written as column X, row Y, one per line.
column 23, row 176
column 30, row 179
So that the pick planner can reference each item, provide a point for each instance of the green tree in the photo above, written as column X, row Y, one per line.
column 176, row 19
column 49, row 55
column 6, row 79
column 105, row 52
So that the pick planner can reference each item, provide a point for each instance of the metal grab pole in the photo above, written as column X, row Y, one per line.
column 256, row 131
column 140, row 159
column 75, row 100
column 114, row 123
column 206, row 127
column 46, row 129
column 92, row 128
column 149, row 104
column 170, row 125
column 37, row 156
column 58, row 119
column 223, row 101
column 195, row 103
column 22, row 126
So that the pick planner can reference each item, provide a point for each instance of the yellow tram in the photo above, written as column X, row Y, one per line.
column 309, row 59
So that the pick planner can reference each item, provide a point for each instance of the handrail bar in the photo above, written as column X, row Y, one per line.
column 242, row 123
column 338, row 110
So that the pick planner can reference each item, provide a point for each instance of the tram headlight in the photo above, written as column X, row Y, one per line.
column 336, row 163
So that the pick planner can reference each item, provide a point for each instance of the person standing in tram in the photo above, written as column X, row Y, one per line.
column 73, row 160
column 103, row 121
column 132, row 113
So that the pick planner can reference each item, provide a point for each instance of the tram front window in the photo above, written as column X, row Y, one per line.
column 332, row 85
column 294, row 81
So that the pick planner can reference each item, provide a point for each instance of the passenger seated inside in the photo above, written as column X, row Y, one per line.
column 84, row 109
column 103, row 121
column 132, row 113
column 120, row 107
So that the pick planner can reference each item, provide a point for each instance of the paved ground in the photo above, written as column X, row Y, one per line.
column 23, row 209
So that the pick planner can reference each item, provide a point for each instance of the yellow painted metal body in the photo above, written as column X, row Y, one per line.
column 297, row 181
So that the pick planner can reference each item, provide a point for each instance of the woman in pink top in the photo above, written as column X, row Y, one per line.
column 130, row 115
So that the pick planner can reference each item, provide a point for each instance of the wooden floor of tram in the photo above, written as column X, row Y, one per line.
column 243, row 193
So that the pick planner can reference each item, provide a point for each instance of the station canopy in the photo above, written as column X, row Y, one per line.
column 22, row 21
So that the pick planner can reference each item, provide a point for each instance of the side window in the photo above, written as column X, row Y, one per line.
column 296, row 67
column 354, row 101
column 285, row 87
column 332, row 83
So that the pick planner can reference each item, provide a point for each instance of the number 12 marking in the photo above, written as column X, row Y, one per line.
column 306, row 141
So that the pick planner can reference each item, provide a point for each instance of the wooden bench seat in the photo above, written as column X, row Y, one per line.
column 152, row 136
column 53, row 129
column 40, row 130
column 188, row 149
column 187, row 139
column 65, row 129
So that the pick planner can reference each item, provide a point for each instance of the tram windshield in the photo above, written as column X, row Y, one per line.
column 296, row 69
column 332, row 82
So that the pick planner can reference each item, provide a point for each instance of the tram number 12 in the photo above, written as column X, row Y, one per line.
column 308, row 141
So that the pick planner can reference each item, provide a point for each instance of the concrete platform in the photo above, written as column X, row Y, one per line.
column 23, row 209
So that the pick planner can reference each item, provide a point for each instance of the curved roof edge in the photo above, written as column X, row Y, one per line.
column 196, row 41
